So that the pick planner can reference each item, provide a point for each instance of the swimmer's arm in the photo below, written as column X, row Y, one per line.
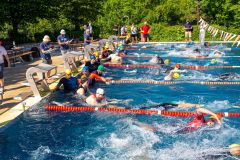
column 145, row 126
column 189, row 105
column 206, row 111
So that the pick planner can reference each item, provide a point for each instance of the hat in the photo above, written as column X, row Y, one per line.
column 178, row 65
column 62, row 31
column 100, row 91
column 68, row 71
column 166, row 61
column 176, row 75
column 145, row 22
column 85, row 69
column 46, row 38
column 92, row 57
column 100, row 68
column 234, row 145
column 96, row 54
column 106, row 46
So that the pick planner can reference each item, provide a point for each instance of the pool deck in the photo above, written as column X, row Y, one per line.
column 15, row 77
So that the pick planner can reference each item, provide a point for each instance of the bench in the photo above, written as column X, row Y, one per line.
column 14, row 56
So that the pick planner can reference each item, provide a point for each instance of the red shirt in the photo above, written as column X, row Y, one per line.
column 145, row 28
column 95, row 76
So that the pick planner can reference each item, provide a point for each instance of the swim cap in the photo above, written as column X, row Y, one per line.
column 176, row 75
column 85, row 68
column 106, row 46
column 178, row 65
column 166, row 61
column 100, row 68
column 234, row 145
column 213, row 61
column 92, row 57
column 68, row 71
column 212, row 117
column 96, row 54
column 100, row 91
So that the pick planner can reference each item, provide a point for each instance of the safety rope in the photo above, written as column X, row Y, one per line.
column 157, row 66
column 171, row 82
column 134, row 111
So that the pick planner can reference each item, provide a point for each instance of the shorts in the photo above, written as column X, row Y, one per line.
column 49, row 61
column 134, row 35
column 145, row 35
column 1, row 70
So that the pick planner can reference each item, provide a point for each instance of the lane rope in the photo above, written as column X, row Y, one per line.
column 158, row 66
column 172, row 82
column 193, row 57
column 134, row 111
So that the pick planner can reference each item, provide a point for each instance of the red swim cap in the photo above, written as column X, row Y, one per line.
column 178, row 66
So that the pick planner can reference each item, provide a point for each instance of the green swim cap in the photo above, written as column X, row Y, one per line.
column 213, row 61
column 100, row 68
column 176, row 75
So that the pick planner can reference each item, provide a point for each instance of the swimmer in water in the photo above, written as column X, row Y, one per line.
column 171, row 74
column 229, row 76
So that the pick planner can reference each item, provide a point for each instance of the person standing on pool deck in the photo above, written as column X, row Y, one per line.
column 63, row 41
column 188, row 31
column 145, row 29
column 3, row 52
column 134, row 33
column 46, row 49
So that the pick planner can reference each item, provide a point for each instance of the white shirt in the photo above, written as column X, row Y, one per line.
column 134, row 30
column 2, row 52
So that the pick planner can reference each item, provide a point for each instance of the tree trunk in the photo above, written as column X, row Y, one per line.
column 14, row 32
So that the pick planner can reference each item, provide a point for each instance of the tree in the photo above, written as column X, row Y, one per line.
column 80, row 11
column 16, row 12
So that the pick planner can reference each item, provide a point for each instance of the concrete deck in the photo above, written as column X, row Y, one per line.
column 15, row 76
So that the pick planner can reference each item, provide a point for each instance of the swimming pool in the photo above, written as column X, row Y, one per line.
column 40, row 134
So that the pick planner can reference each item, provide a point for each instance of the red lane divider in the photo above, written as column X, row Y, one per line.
column 157, row 66
column 134, row 111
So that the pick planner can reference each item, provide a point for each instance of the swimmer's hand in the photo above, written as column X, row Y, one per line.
column 108, row 82
column 185, row 71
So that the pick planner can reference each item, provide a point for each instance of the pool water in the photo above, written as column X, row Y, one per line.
column 49, row 135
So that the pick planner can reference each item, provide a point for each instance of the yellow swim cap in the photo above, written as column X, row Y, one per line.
column 234, row 145
column 176, row 75
column 68, row 71
column 96, row 54
column 213, row 61
column 166, row 61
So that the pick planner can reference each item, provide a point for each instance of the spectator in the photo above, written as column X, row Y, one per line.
column 46, row 49
column 87, row 38
column 145, row 29
column 188, row 31
column 115, row 29
column 3, row 52
column 134, row 33
column 63, row 41
column 124, row 30
column 90, row 30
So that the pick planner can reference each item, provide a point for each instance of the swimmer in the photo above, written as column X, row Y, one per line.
column 172, row 72
column 229, row 76
column 216, row 53
column 199, row 121
column 167, row 106
column 98, row 75
column 98, row 99
column 70, row 83
column 83, row 80
column 157, row 60
column 231, row 150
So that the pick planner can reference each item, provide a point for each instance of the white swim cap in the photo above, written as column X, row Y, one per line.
column 100, row 91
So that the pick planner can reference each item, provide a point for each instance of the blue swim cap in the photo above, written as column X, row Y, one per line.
column 85, row 68
column 92, row 57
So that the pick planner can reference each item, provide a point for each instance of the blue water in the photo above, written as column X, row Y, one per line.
column 49, row 135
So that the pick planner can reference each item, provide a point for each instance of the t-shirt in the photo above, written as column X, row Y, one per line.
column 94, row 76
column 86, row 38
column 70, row 85
column 145, row 29
column 2, row 52
column 134, row 30
column 45, row 47
column 63, row 39
column 188, row 26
